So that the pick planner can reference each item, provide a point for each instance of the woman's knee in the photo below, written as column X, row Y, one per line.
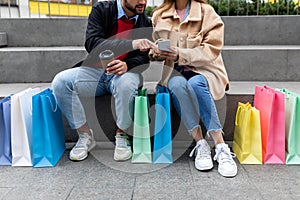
column 177, row 83
column 198, row 82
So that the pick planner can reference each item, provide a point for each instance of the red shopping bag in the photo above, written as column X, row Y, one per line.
column 270, row 103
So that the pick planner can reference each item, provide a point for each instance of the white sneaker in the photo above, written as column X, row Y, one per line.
column 123, row 148
column 84, row 144
column 203, row 159
column 227, row 166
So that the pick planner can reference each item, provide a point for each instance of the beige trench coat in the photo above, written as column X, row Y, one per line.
column 199, row 40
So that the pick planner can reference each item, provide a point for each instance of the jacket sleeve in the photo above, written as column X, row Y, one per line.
column 136, row 58
column 98, row 36
column 211, row 44
column 99, row 29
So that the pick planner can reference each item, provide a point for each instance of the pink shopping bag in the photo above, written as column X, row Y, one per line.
column 270, row 103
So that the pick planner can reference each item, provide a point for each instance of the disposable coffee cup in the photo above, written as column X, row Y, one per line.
column 106, row 57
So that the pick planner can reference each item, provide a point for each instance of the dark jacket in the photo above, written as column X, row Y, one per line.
column 101, row 22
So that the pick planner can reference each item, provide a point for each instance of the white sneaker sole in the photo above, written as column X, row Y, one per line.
column 228, row 174
column 84, row 157
column 118, row 158
column 204, row 168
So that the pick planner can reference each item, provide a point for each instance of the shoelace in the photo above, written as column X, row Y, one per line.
column 121, row 141
column 225, row 155
column 200, row 149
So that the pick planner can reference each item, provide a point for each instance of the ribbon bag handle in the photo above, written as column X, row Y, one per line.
column 54, row 108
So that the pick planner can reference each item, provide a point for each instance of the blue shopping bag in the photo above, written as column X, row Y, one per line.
column 48, row 139
column 5, row 132
column 162, row 147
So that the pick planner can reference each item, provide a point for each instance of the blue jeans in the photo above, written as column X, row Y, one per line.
column 192, row 99
column 71, row 84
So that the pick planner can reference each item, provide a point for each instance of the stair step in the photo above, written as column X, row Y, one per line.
column 3, row 39
column 243, row 63
column 258, row 30
column 236, row 87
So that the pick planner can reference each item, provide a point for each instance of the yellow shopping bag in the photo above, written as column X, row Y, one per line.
column 247, row 135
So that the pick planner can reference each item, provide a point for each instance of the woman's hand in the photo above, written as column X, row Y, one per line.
column 174, row 55
column 117, row 67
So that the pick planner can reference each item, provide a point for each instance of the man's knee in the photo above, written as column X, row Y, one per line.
column 127, row 82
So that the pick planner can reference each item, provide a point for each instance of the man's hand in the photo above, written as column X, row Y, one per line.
column 117, row 67
column 143, row 44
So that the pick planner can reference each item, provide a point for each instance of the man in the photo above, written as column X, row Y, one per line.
column 110, row 27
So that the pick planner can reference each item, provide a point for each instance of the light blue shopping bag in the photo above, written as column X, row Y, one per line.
column 162, row 147
column 48, row 139
column 5, row 132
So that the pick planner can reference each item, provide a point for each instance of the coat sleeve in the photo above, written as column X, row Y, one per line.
column 211, row 41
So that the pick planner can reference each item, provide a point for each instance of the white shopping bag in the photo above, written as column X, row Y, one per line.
column 21, row 131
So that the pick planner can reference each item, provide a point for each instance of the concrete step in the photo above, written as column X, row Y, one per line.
column 39, row 32
column 262, row 62
column 239, row 30
column 261, row 30
column 37, row 64
column 102, row 117
column 243, row 63
column 3, row 39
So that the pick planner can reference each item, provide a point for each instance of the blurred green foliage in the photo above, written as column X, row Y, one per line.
column 253, row 7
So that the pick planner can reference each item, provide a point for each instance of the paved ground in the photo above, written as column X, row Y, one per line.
column 99, row 177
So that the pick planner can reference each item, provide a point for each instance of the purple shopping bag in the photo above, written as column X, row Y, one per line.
column 5, row 132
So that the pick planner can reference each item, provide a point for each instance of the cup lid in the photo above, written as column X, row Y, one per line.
column 106, row 54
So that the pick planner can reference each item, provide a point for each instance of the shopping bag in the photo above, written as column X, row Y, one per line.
column 270, row 103
column 292, row 127
column 48, row 138
column 21, row 135
column 5, row 132
column 162, row 147
column 141, row 129
column 247, row 135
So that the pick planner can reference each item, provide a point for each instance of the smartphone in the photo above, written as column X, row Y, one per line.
column 164, row 45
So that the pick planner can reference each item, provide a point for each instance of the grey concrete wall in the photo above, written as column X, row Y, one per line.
column 243, row 63
column 33, row 65
column 262, row 63
column 243, row 30
column 24, row 32
column 3, row 39
column 262, row 30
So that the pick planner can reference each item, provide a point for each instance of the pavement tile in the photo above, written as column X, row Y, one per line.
column 13, row 176
column 4, row 191
column 165, row 193
column 99, row 193
column 211, row 185
column 38, row 192
column 100, row 177
column 275, row 181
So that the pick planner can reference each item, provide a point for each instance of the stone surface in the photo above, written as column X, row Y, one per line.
column 96, row 178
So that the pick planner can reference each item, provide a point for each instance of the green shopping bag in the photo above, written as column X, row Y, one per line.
column 292, row 127
column 141, row 129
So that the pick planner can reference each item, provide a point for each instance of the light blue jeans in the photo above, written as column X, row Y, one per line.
column 192, row 99
column 71, row 84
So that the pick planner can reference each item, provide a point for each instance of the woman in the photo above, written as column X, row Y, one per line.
column 196, row 33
